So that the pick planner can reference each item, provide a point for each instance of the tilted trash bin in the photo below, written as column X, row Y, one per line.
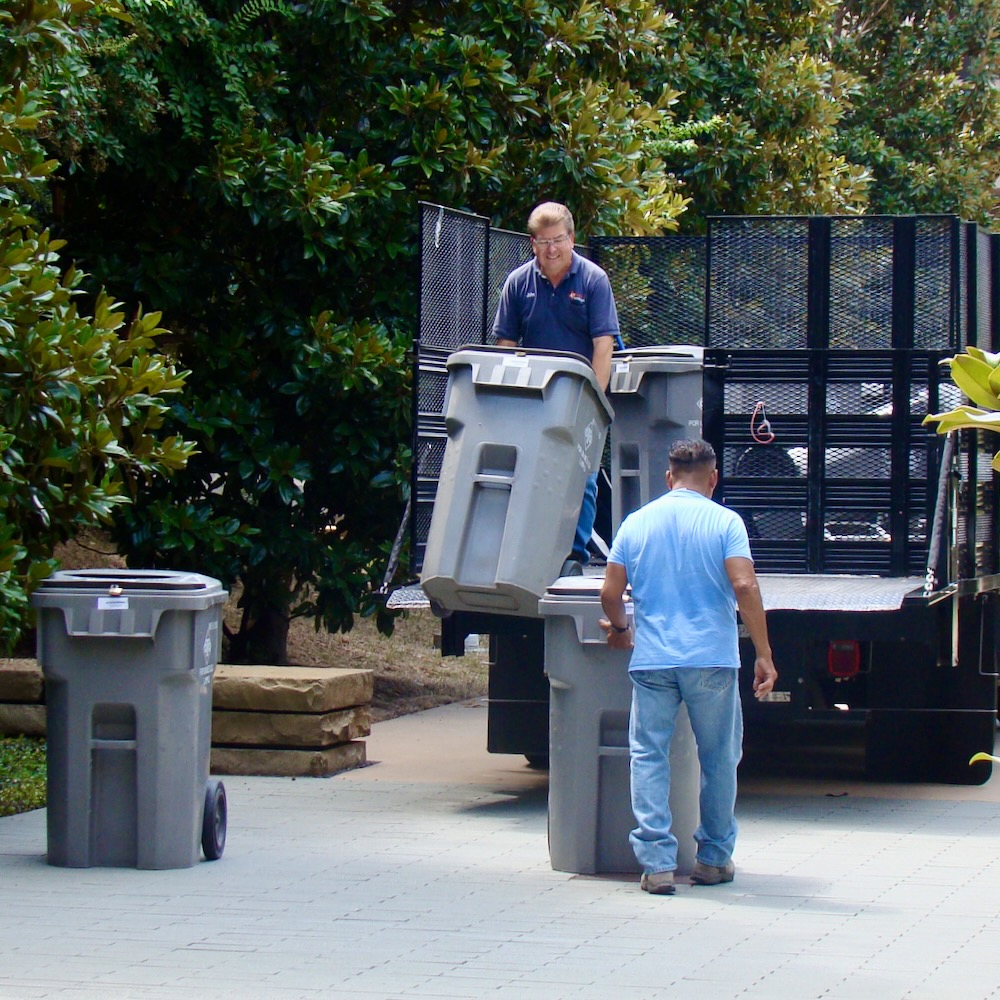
column 657, row 396
column 524, row 432
column 128, row 658
column 590, row 809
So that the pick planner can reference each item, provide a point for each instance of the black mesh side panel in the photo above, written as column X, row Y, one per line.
column 934, row 314
column 758, row 283
column 994, row 334
column 984, row 290
column 452, row 277
column 766, row 482
column 861, row 282
column 803, row 313
column 822, row 495
column 659, row 287
column 507, row 251
column 431, row 383
column 427, row 469
column 986, row 505
column 976, row 529
column 857, row 460
column 453, row 286
column 462, row 269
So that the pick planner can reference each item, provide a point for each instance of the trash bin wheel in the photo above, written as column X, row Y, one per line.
column 213, row 826
column 439, row 610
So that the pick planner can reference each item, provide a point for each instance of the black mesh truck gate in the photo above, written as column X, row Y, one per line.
column 823, row 342
column 881, row 628
column 875, row 539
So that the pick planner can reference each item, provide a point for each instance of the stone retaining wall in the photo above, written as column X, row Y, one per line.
column 296, row 721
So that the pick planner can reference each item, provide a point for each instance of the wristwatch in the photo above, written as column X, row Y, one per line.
column 620, row 631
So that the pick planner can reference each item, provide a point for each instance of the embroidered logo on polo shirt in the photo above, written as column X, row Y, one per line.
column 577, row 297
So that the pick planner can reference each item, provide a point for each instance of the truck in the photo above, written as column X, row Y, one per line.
column 817, row 346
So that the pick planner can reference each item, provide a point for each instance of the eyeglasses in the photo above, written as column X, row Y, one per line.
column 544, row 244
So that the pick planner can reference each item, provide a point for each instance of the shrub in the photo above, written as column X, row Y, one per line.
column 22, row 775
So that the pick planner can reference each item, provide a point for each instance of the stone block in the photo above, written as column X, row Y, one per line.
column 290, row 729
column 21, row 681
column 288, row 763
column 22, row 720
column 290, row 689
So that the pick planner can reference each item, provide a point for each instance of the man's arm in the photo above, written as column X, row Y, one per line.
column 601, row 363
column 741, row 575
column 613, row 603
column 506, row 324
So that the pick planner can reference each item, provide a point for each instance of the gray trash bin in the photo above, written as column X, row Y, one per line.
column 657, row 396
column 524, row 432
column 590, row 809
column 128, row 658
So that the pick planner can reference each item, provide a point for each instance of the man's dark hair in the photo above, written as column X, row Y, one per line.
column 691, row 454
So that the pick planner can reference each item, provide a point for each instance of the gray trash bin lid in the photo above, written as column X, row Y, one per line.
column 133, row 580
column 630, row 367
column 104, row 602
column 573, row 589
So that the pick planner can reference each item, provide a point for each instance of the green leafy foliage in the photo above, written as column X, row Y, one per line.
column 81, row 396
column 765, row 70
column 977, row 374
column 253, row 170
column 925, row 121
column 22, row 775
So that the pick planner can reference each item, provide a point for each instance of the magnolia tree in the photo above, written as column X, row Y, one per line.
column 253, row 169
column 83, row 392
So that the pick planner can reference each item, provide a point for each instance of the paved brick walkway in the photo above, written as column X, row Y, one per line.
column 426, row 875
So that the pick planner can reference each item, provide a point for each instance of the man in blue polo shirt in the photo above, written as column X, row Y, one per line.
column 560, row 301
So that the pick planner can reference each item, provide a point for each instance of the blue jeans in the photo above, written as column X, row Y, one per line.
column 712, row 696
column 585, row 523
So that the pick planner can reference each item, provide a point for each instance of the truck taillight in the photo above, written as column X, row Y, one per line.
column 843, row 658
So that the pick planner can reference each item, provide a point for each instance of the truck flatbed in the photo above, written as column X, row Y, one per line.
column 780, row 592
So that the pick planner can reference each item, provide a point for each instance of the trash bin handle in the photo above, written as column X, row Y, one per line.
column 90, row 633
column 109, row 635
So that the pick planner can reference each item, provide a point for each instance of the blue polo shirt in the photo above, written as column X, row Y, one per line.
column 566, row 318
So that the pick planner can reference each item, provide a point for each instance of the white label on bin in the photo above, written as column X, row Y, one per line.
column 112, row 604
column 513, row 361
column 621, row 367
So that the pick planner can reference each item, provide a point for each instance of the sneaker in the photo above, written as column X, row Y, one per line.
column 703, row 874
column 658, row 883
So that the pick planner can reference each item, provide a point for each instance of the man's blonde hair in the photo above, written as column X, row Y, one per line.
column 550, row 213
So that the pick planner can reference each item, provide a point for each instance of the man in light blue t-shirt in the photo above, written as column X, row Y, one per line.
column 688, row 562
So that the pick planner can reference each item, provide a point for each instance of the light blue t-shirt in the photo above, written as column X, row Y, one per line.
column 674, row 550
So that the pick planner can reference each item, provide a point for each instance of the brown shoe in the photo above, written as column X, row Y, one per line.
column 658, row 883
column 712, row 874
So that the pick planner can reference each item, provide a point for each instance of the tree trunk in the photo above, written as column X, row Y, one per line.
column 262, row 640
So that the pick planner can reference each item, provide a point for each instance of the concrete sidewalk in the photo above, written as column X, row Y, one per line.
column 426, row 874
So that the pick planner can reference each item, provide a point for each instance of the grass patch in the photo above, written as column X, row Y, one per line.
column 22, row 775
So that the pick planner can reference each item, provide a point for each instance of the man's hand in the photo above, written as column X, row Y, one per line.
column 616, row 639
column 764, row 676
